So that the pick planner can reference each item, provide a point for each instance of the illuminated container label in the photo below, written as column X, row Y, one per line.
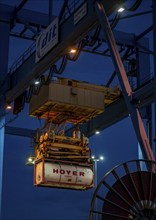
column 52, row 174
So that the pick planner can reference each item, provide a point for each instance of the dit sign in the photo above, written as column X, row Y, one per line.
column 47, row 40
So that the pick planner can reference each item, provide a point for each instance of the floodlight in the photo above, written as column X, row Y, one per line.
column 121, row 9
column 36, row 82
column 30, row 161
column 101, row 158
column 97, row 132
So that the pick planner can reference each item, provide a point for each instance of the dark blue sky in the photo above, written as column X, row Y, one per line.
column 23, row 201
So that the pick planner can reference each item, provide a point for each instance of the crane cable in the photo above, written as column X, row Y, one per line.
column 94, row 37
column 134, row 6
column 115, row 20
column 82, row 43
column 62, row 66
column 85, row 42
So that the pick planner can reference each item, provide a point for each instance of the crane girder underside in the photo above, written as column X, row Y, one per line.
column 113, row 113
column 70, row 34
column 19, row 75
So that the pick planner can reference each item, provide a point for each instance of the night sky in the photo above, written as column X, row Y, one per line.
column 118, row 143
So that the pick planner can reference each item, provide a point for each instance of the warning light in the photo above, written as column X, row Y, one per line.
column 97, row 158
column 8, row 106
column 72, row 51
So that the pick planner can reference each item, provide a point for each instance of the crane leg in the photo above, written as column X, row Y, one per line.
column 125, row 86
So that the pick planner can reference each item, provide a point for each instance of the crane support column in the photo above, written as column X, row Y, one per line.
column 126, row 89
column 4, row 48
column 154, row 61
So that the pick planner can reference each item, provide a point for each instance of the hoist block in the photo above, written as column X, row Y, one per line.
column 71, row 100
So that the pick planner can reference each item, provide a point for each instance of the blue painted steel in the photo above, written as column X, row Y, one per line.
column 50, row 10
column 96, row 183
column 143, row 75
column 2, row 122
column 4, row 48
column 144, row 33
column 70, row 34
column 143, row 61
column 34, row 17
column 154, row 42
column 126, row 89
column 113, row 114
column 19, row 65
column 24, row 132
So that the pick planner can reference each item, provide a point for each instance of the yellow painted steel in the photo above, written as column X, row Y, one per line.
column 66, row 100
column 63, row 101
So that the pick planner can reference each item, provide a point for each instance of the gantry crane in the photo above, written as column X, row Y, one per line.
column 80, row 20
column 61, row 102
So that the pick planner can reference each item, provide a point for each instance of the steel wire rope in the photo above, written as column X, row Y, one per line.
column 94, row 37
column 62, row 66
column 134, row 6
column 115, row 20
column 43, row 81
column 35, row 89
column 84, row 42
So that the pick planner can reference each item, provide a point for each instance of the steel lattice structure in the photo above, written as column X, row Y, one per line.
column 86, row 33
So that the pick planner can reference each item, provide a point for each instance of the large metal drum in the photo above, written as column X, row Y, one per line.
column 128, row 191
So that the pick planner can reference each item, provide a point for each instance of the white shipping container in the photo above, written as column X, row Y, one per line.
column 58, row 175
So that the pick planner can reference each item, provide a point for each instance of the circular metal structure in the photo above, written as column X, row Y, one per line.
column 128, row 191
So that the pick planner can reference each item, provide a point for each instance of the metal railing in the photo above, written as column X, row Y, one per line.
column 72, row 6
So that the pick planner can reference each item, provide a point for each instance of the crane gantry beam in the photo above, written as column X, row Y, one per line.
column 69, row 34
column 113, row 114
column 35, row 18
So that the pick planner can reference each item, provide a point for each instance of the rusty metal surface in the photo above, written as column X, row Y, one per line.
column 126, row 192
